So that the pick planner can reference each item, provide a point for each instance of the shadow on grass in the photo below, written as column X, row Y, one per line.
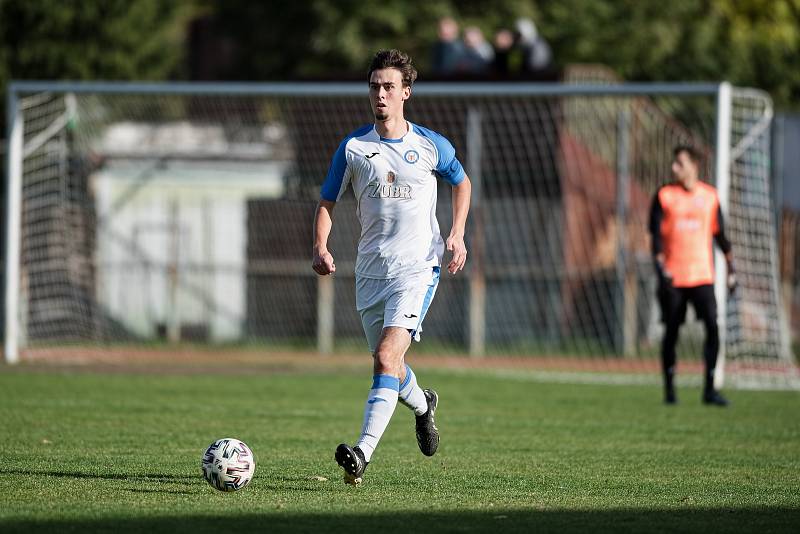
column 159, row 491
column 145, row 477
column 281, row 484
column 764, row 519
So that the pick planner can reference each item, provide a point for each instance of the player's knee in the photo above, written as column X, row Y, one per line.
column 386, row 362
column 712, row 332
column 671, row 332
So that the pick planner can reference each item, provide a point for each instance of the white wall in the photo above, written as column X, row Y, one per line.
column 191, row 214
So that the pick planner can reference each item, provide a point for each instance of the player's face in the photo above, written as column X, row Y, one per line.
column 387, row 94
column 684, row 169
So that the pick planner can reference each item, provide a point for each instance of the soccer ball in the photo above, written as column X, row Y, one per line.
column 228, row 464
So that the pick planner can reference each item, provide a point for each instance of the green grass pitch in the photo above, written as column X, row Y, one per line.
column 87, row 451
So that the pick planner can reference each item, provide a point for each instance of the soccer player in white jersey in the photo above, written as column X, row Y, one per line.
column 393, row 167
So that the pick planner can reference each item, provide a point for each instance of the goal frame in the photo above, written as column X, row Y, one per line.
column 15, row 155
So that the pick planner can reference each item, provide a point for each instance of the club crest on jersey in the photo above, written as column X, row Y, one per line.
column 390, row 177
column 411, row 156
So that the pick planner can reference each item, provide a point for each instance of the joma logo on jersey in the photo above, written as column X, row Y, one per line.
column 379, row 190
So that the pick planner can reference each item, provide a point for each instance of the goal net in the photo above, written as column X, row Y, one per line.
column 147, row 215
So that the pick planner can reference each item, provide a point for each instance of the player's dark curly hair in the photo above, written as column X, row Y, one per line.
column 691, row 151
column 394, row 59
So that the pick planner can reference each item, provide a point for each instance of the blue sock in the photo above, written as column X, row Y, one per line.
column 378, row 411
column 411, row 394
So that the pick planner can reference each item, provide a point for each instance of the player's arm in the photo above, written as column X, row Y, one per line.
column 450, row 169
column 656, row 240
column 725, row 245
column 323, row 222
column 720, row 237
column 455, row 242
column 332, row 188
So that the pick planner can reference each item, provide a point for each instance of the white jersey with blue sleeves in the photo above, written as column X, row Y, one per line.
column 394, row 182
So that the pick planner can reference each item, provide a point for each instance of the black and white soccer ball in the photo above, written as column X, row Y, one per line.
column 228, row 464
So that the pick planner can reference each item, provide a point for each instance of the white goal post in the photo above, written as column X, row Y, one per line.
column 141, row 213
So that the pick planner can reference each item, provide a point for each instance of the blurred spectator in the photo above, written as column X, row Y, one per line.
column 537, row 55
column 504, row 63
column 478, row 53
column 448, row 52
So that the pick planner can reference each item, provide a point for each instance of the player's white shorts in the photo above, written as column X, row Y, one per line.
column 401, row 302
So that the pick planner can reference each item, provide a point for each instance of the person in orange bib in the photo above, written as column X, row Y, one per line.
column 685, row 220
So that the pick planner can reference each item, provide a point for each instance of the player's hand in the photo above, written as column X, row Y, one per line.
column 323, row 263
column 664, row 276
column 455, row 244
column 731, row 281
